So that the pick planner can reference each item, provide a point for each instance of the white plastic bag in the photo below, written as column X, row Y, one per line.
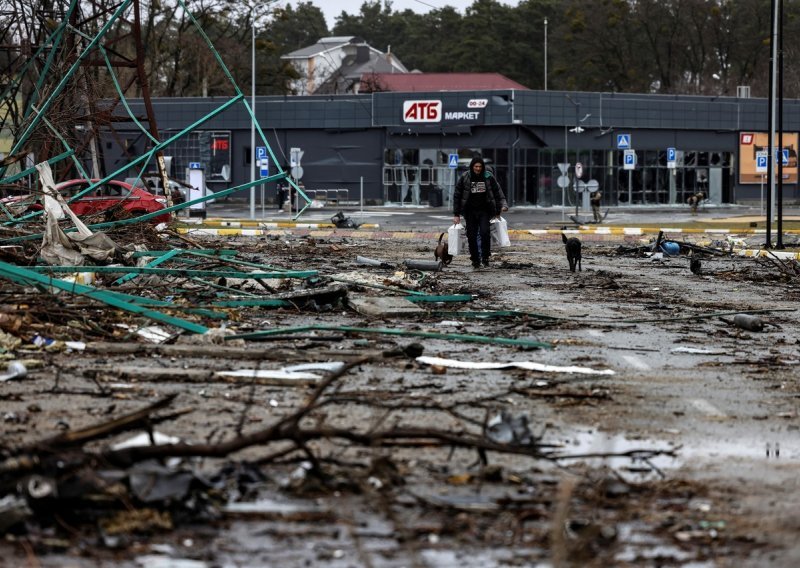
column 498, row 229
column 456, row 240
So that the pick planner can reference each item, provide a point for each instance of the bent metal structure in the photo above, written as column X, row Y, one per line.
column 50, row 111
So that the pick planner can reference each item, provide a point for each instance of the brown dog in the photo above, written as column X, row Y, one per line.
column 442, row 252
column 573, row 246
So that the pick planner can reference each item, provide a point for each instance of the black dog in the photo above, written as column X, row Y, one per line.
column 442, row 251
column 573, row 246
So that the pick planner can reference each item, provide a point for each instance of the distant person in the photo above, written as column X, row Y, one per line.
column 280, row 197
column 696, row 200
column 479, row 197
column 594, row 199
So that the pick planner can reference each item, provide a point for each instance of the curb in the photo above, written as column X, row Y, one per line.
column 655, row 230
column 374, row 232
column 760, row 253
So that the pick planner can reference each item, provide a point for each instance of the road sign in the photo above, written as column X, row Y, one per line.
column 562, row 181
column 263, row 165
column 563, row 167
column 195, row 166
column 623, row 141
column 592, row 185
column 784, row 156
column 672, row 158
column 295, row 155
column 261, row 152
column 761, row 162
column 452, row 160
column 630, row 160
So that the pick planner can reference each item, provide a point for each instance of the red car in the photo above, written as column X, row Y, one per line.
column 110, row 195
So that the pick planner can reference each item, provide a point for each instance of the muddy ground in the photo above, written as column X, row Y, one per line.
column 685, row 456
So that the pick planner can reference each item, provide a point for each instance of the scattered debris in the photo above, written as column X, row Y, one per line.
column 342, row 222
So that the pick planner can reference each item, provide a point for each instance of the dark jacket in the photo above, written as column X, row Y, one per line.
column 495, row 198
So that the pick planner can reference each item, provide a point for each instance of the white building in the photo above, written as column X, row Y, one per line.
column 335, row 65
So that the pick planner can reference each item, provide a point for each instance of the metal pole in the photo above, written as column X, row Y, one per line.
column 361, row 198
column 771, row 145
column 779, row 196
column 566, row 173
column 630, row 187
column 253, row 122
column 545, row 54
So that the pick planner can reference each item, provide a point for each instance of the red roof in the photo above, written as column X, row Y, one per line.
column 415, row 82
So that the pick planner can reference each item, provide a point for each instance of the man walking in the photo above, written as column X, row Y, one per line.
column 478, row 197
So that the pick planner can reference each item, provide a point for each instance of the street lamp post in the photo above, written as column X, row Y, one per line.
column 256, row 6
column 545, row 54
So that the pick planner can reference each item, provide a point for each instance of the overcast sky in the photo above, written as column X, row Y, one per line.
column 332, row 8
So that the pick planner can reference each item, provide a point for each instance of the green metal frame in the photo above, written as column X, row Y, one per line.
column 27, row 277
column 93, row 46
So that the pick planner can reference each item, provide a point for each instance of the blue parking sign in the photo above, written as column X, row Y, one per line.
column 261, row 152
column 670, row 154
column 629, row 162
column 761, row 162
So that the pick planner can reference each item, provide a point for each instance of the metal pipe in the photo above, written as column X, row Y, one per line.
column 779, row 196
column 771, row 145
column 253, row 121
column 545, row 54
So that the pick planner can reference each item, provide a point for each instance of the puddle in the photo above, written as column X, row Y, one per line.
column 594, row 442
column 590, row 442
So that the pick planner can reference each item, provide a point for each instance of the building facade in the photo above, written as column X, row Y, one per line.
column 396, row 147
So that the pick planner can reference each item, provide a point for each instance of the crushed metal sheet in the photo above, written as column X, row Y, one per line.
column 527, row 365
